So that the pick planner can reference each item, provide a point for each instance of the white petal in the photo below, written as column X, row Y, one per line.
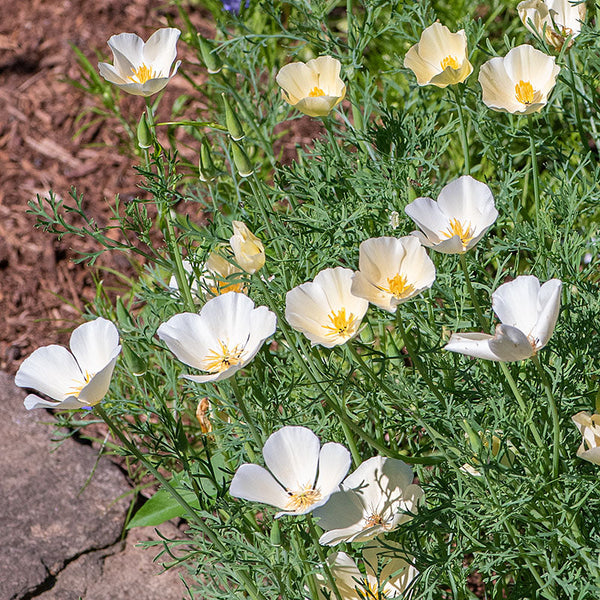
column 93, row 344
column 161, row 50
column 466, row 199
column 334, row 462
column 292, row 455
column 426, row 213
column 297, row 80
column 254, row 483
column 471, row 344
column 188, row 337
column 51, row 370
column 525, row 63
column 516, row 302
column 510, row 344
column 127, row 49
column 98, row 385
column 341, row 517
column 548, row 307
column 497, row 87
column 110, row 74
column 328, row 72
column 32, row 401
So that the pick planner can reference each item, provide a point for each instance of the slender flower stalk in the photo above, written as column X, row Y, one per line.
column 463, row 130
column 535, row 172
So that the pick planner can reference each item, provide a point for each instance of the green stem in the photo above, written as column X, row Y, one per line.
column 574, row 92
column 555, row 416
column 482, row 320
column 206, row 530
column 309, row 577
column 535, row 170
column 246, row 414
column 463, row 129
column 328, row 574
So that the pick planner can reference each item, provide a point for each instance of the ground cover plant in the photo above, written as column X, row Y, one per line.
column 371, row 370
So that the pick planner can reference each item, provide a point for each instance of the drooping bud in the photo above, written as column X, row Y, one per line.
column 234, row 126
column 241, row 160
column 144, row 133
column 209, row 56
column 206, row 167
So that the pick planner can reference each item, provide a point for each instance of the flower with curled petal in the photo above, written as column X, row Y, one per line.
column 248, row 250
column 314, row 87
column 440, row 57
column 528, row 313
column 142, row 69
column 459, row 218
column 519, row 82
column 589, row 427
column 75, row 379
column 222, row 338
column 301, row 476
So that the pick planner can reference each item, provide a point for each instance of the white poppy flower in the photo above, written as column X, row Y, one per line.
column 72, row 379
column 464, row 211
column 556, row 19
column 589, row 427
column 528, row 313
column 142, row 68
column 324, row 309
column 520, row 82
column 222, row 339
column 394, row 578
column 314, row 87
column 372, row 500
column 248, row 250
column 302, row 473
column 392, row 270
column 440, row 57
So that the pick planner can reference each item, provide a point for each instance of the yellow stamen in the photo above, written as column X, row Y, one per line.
column 79, row 385
column 341, row 325
column 223, row 288
column 449, row 61
column 375, row 519
column 524, row 92
column 370, row 591
column 315, row 92
column 306, row 497
column 399, row 287
column 463, row 230
column 217, row 361
column 141, row 74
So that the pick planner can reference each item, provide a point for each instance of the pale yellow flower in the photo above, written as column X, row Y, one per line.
column 520, row 82
column 589, row 427
column 440, row 57
column 314, row 87
column 557, row 19
column 248, row 250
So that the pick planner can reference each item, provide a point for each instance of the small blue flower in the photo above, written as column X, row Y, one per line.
column 233, row 6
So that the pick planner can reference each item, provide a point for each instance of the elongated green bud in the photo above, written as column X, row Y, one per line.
column 275, row 534
column 136, row 365
column 234, row 126
column 144, row 133
column 206, row 166
column 241, row 160
column 126, row 323
column 474, row 438
column 209, row 56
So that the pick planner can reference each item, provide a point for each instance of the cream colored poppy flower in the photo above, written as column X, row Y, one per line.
column 248, row 250
column 391, row 271
column 314, row 87
column 557, row 19
column 589, row 427
column 464, row 211
column 142, row 69
column 325, row 310
column 520, row 82
column 528, row 313
column 440, row 57
column 222, row 339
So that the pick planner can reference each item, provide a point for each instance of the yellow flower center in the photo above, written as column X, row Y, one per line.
column 524, row 92
column 371, row 591
column 315, row 92
column 142, row 74
column 375, row 519
column 79, row 385
column 217, row 361
column 399, row 287
column 449, row 61
column 342, row 325
column 306, row 497
column 223, row 288
column 463, row 230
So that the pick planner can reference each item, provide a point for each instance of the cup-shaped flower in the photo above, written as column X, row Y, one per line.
column 73, row 379
column 464, row 211
column 440, row 57
column 376, row 498
column 392, row 270
column 314, row 87
column 301, row 476
column 528, row 313
column 391, row 581
column 248, row 250
column 589, row 427
column 142, row 68
column 325, row 310
column 519, row 82
column 222, row 338
column 557, row 20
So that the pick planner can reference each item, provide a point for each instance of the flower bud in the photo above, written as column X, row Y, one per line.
column 144, row 133
column 209, row 56
column 234, row 126
column 248, row 250
column 206, row 167
column 241, row 160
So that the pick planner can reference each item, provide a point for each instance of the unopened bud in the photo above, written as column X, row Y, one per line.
column 474, row 438
column 206, row 167
column 209, row 56
column 241, row 160
column 234, row 126
column 135, row 363
column 275, row 533
column 144, row 133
